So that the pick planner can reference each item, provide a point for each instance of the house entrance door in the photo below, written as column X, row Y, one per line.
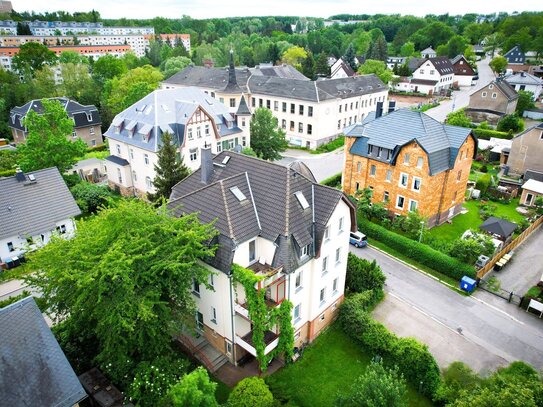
column 529, row 199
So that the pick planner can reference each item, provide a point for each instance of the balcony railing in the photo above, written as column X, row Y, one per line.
column 246, row 342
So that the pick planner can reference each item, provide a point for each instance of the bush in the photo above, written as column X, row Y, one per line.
column 7, row 173
column 486, row 210
column 193, row 390
column 90, row 197
column 511, row 122
column 458, row 118
column 251, row 392
column 363, row 275
column 486, row 134
column 418, row 251
column 456, row 377
column 334, row 181
column 71, row 180
column 413, row 359
column 331, row 146
column 484, row 168
column 482, row 184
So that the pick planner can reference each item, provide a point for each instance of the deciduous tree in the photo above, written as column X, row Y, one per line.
column 48, row 142
column 193, row 390
column 123, row 282
column 267, row 140
column 31, row 57
column 498, row 64
column 378, row 68
column 251, row 392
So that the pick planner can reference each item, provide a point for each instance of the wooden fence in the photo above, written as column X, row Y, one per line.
column 481, row 273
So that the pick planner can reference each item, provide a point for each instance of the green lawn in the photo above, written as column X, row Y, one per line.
column 472, row 220
column 330, row 365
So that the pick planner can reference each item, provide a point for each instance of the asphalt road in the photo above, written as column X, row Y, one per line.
column 321, row 165
column 460, row 98
column 455, row 327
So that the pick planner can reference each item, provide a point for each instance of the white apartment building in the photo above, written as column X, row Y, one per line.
column 34, row 207
column 193, row 118
column 282, row 225
column 311, row 112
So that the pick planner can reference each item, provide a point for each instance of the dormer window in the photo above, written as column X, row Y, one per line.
column 89, row 117
column 370, row 149
column 304, row 252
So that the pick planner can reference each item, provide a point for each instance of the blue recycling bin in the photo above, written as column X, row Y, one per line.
column 467, row 284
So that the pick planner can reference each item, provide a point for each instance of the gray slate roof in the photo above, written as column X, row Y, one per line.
column 33, row 369
column 29, row 208
column 498, row 226
column 508, row 91
column 531, row 174
column 281, row 71
column 167, row 110
column 523, row 78
column 271, row 209
column 394, row 130
column 315, row 91
column 80, row 113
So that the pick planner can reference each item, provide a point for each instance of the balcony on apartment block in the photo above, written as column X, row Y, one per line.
column 275, row 286
column 246, row 342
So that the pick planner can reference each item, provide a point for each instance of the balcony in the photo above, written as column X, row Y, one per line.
column 275, row 288
column 246, row 342
column 261, row 268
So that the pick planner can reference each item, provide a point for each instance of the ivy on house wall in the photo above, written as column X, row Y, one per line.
column 264, row 319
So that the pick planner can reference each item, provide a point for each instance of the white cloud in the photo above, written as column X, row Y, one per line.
column 317, row 8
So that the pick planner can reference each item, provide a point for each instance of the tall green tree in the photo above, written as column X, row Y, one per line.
column 378, row 68
column 321, row 65
column 267, row 139
column 349, row 57
column 194, row 390
column 376, row 387
column 308, row 66
column 378, row 50
column 123, row 282
column 48, row 142
column 407, row 49
column 175, row 64
column 169, row 170
column 525, row 101
column 31, row 57
column 108, row 67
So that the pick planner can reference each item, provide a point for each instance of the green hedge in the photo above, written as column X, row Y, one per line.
column 485, row 134
column 363, row 275
column 334, row 181
column 413, row 359
column 7, row 173
column 418, row 251
column 331, row 146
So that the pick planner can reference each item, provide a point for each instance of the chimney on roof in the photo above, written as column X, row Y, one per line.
column 19, row 175
column 379, row 110
column 206, row 168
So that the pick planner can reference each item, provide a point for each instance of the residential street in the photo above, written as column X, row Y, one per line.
column 460, row 98
column 455, row 327
column 322, row 165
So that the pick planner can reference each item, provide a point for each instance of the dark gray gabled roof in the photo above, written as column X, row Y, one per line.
column 442, row 65
column 33, row 369
column 117, row 160
column 498, row 226
column 28, row 208
column 270, row 210
column 82, row 115
column 531, row 174
column 281, row 71
column 243, row 109
column 212, row 78
column 394, row 130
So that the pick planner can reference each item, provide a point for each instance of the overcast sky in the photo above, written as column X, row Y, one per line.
column 315, row 8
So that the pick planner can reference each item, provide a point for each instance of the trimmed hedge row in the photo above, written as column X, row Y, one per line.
column 331, row 146
column 485, row 134
column 413, row 359
column 420, row 252
column 333, row 181
column 7, row 173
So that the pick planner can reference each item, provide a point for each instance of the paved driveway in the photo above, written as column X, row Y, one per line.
column 525, row 267
column 454, row 327
column 322, row 165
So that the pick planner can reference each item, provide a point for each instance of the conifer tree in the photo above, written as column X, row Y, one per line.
column 321, row 65
column 169, row 170
column 308, row 66
column 349, row 57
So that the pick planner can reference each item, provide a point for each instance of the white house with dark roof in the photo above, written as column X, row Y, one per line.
column 194, row 118
column 433, row 75
column 34, row 206
column 311, row 112
column 86, row 120
column 34, row 370
column 428, row 53
column 282, row 225
column 525, row 81
column 463, row 72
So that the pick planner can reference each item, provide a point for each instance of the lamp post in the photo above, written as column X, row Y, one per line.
column 421, row 230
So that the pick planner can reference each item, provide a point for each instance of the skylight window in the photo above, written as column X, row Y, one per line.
column 238, row 194
column 301, row 199
column 225, row 160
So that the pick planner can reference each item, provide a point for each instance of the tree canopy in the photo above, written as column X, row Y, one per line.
column 267, row 140
column 48, row 143
column 31, row 57
column 378, row 68
column 135, row 266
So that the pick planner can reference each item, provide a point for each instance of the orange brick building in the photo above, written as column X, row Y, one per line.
column 411, row 162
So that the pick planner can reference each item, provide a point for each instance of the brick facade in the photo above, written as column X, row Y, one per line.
column 439, row 197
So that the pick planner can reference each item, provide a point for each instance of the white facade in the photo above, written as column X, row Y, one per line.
column 428, row 72
column 14, row 246
column 312, row 289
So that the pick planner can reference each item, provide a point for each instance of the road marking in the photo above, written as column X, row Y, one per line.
column 499, row 310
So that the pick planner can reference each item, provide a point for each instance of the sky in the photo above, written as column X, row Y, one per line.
column 315, row 8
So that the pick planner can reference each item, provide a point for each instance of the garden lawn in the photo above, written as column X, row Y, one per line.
column 472, row 220
column 330, row 365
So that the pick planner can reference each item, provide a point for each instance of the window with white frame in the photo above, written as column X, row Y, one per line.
column 298, row 281
column 134, row 176
column 212, row 280
column 146, row 159
column 119, row 176
column 189, row 134
column 91, row 130
column 310, row 111
column 148, row 182
column 304, row 251
column 206, row 131
column 322, row 296
column 406, row 158
column 359, row 167
column 297, row 312
column 416, row 183
column 412, row 205
column 326, row 233
column 198, row 132
column 219, row 147
column 334, row 285
column 385, row 196
column 404, row 179
column 118, row 146
column 213, row 315
column 400, row 202
column 338, row 254
column 284, row 124
column 276, row 105
column 131, row 152
column 483, row 94
column 195, row 287
column 252, row 250
column 340, row 225
column 324, row 268
column 373, row 170
column 420, row 162
column 61, row 229
column 491, row 86
column 193, row 154
column 494, row 95
column 300, row 127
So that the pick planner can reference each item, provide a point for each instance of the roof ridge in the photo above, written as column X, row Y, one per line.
column 227, row 211
column 287, row 203
column 204, row 187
